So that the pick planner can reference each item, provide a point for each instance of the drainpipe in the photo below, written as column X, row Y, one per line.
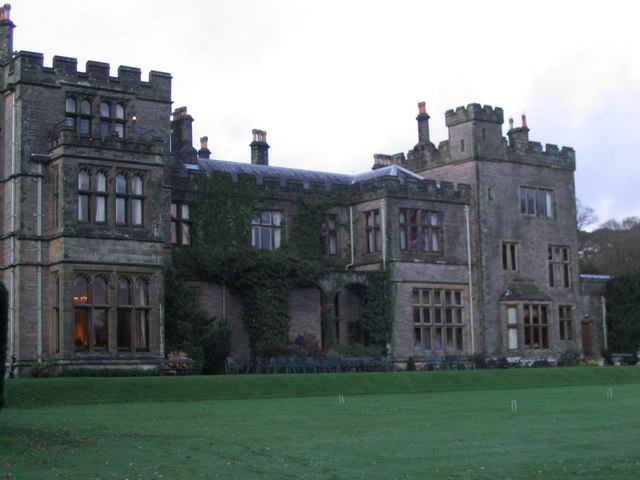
column 604, row 322
column 383, row 231
column 470, row 285
column 352, row 247
column 40, row 159
column 38, row 215
column 14, row 213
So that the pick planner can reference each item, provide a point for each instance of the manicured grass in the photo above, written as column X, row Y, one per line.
column 30, row 393
column 558, row 432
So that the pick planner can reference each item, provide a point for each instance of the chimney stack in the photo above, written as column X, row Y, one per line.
column 381, row 160
column 518, row 134
column 204, row 151
column 259, row 148
column 6, row 32
column 181, row 135
column 423, row 124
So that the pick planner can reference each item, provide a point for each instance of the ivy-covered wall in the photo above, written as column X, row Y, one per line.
column 264, row 279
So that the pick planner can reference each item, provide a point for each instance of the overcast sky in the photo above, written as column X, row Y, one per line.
column 335, row 81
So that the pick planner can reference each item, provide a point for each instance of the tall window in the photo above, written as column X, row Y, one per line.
column 180, row 224
column 133, row 314
column 55, row 318
column 91, row 308
column 100, row 197
column 329, row 234
column 111, row 119
column 537, row 202
column 559, row 267
column 122, row 199
column 510, row 256
column 419, row 230
column 84, row 195
column 137, row 200
column 512, row 327
column 438, row 320
column 565, row 317
column 266, row 230
column 55, row 197
column 372, row 231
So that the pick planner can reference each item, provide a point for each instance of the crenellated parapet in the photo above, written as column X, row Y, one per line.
column 29, row 67
column 474, row 111
column 533, row 153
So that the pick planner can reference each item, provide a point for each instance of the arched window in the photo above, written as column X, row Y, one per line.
column 111, row 119
column 91, row 308
column 85, row 117
column 70, row 105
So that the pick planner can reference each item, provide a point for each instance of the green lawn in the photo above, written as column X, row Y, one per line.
column 558, row 432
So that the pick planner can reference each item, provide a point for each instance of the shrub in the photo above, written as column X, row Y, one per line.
column 479, row 361
column 411, row 365
column 42, row 370
column 569, row 358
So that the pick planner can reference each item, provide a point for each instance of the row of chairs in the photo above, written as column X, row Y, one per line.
column 307, row 365
column 450, row 362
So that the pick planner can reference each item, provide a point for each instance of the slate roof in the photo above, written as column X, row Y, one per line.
column 305, row 176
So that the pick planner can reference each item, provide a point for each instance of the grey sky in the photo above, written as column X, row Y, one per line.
column 334, row 82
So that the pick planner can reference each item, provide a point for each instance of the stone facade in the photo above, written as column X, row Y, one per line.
column 478, row 234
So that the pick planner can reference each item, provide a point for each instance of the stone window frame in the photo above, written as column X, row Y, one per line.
column 266, row 230
column 536, row 201
column 528, row 325
column 91, row 337
column 133, row 313
column 55, row 337
column 180, row 224
column 112, row 118
column 329, row 234
column 373, row 232
column 79, row 114
column 565, row 322
column 559, row 266
column 95, row 200
column 420, row 230
column 439, row 319
column 510, row 256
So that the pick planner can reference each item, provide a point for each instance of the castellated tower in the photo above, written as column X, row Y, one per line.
column 85, row 210
column 475, row 131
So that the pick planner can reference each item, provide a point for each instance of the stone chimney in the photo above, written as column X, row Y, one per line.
column 423, row 124
column 6, row 32
column 181, row 135
column 519, row 134
column 381, row 160
column 259, row 148
column 204, row 152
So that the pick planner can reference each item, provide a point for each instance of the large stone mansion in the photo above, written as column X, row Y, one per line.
column 478, row 233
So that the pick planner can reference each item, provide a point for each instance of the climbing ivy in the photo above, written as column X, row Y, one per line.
column 262, row 279
column 376, row 309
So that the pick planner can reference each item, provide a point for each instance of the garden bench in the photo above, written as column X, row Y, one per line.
column 180, row 367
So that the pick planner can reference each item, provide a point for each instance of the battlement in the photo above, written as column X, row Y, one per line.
column 550, row 156
column 29, row 67
column 474, row 111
